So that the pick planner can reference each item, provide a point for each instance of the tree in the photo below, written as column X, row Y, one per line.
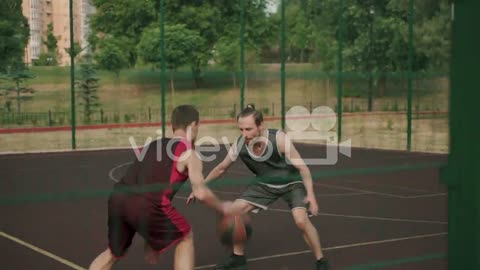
column 227, row 55
column 15, row 89
column 211, row 19
column 180, row 46
column 111, row 56
column 49, row 58
column 432, row 33
column 87, row 84
column 214, row 19
column 14, row 34
column 123, row 18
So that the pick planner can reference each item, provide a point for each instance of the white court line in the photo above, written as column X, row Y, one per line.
column 41, row 251
column 381, row 193
column 110, row 173
column 389, row 186
column 373, row 218
column 356, row 216
column 364, row 191
column 114, row 179
column 426, row 195
column 359, row 190
column 342, row 194
column 337, row 247
column 317, row 195
column 58, row 152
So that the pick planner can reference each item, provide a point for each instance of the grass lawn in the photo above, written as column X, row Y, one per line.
column 137, row 90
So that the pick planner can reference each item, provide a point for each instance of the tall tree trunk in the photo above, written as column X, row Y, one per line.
column 370, row 92
column 172, row 87
column 382, row 85
column 196, row 72
column 18, row 96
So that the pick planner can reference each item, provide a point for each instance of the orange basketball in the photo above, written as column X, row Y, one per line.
column 234, row 229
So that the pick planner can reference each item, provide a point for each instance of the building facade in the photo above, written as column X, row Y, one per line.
column 41, row 13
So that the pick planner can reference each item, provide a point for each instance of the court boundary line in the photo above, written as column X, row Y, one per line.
column 41, row 251
column 371, row 217
column 390, row 186
column 382, row 193
column 429, row 193
column 112, row 170
column 317, row 195
column 338, row 247
column 355, row 216
column 355, row 193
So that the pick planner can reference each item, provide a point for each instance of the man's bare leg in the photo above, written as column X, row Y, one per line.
column 309, row 231
column 104, row 261
column 184, row 254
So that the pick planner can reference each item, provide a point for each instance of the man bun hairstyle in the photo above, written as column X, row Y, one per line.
column 184, row 115
column 250, row 110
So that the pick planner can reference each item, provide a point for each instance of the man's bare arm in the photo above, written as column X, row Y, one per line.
column 200, row 190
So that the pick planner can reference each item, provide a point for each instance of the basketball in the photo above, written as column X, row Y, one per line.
column 234, row 229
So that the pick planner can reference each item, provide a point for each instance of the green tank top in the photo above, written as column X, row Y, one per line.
column 271, row 167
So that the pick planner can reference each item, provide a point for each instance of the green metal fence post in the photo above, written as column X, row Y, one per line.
column 410, row 74
column 72, row 76
column 282, row 69
column 462, row 173
column 163, row 85
column 242, row 55
column 340, row 73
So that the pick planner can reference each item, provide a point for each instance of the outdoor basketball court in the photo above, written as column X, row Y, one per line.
column 377, row 208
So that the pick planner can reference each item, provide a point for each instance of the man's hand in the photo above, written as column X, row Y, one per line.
column 312, row 204
column 191, row 198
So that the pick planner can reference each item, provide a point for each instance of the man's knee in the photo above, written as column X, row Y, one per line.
column 301, row 223
column 301, row 220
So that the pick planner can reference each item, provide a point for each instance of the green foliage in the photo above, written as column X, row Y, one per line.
column 181, row 44
column 112, row 55
column 49, row 58
column 51, row 41
column 46, row 59
column 209, row 19
column 375, row 37
column 14, row 34
column 87, row 85
column 227, row 54
column 13, row 88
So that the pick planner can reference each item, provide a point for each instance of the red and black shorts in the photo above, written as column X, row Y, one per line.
column 160, row 224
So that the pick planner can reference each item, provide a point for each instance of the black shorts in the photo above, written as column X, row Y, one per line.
column 160, row 224
column 262, row 196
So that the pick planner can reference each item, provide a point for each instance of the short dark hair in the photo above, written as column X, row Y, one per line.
column 184, row 115
column 250, row 110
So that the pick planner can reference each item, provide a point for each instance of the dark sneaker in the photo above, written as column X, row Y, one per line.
column 322, row 265
column 233, row 263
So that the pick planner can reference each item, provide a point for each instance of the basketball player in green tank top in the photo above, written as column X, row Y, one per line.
column 265, row 153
